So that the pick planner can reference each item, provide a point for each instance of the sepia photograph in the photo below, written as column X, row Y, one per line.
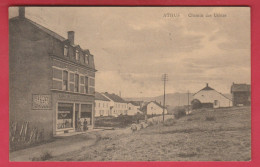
column 129, row 83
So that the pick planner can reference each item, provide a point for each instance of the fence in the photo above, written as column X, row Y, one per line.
column 23, row 134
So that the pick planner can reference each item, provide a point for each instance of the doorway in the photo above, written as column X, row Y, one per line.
column 77, row 119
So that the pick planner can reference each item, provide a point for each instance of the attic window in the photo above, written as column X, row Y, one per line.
column 65, row 50
column 77, row 55
column 86, row 59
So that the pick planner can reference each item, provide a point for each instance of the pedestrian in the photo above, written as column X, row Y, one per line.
column 85, row 125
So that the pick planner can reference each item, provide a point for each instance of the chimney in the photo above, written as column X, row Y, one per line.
column 207, row 85
column 22, row 12
column 71, row 37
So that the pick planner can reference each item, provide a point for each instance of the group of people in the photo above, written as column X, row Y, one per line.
column 84, row 126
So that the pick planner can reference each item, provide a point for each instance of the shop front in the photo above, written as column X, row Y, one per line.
column 72, row 117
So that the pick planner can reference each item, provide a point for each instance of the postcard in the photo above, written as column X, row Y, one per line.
column 129, row 83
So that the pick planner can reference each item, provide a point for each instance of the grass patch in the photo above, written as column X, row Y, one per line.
column 169, row 122
column 187, row 155
column 43, row 157
column 210, row 118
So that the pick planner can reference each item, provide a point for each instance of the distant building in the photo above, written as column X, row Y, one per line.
column 154, row 108
column 133, row 108
column 209, row 97
column 102, row 105
column 52, row 80
column 241, row 94
column 118, row 106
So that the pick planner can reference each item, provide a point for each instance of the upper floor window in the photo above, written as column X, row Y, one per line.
column 65, row 80
column 66, row 49
column 77, row 55
column 86, row 59
column 86, row 84
column 76, row 82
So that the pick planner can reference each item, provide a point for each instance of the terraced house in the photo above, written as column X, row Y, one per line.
column 102, row 105
column 118, row 106
column 52, row 79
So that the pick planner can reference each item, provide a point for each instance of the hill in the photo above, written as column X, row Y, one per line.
column 172, row 99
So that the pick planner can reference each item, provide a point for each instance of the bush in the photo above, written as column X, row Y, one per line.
column 210, row 118
column 169, row 122
column 179, row 112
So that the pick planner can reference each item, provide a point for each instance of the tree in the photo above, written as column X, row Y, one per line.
column 196, row 104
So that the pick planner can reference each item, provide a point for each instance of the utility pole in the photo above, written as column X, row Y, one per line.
column 188, row 100
column 164, row 79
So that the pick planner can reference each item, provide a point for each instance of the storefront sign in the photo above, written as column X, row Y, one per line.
column 73, row 97
column 41, row 102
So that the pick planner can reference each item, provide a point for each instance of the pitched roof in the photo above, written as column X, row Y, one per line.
column 46, row 30
column 207, row 88
column 158, row 104
column 155, row 102
column 240, row 88
column 114, row 97
column 133, row 102
column 99, row 96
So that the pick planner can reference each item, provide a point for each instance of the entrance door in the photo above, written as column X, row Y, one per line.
column 76, row 116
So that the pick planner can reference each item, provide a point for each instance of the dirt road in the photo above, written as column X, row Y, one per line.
column 57, row 147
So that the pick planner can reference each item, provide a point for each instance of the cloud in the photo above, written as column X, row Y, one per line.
column 133, row 47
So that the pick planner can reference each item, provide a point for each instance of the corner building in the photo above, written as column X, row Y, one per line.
column 52, row 80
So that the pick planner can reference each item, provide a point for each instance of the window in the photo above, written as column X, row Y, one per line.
column 65, row 80
column 77, row 55
column 86, row 84
column 86, row 59
column 86, row 110
column 65, row 115
column 215, row 102
column 66, row 49
column 76, row 82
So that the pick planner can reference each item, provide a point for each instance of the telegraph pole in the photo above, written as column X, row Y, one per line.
column 188, row 100
column 164, row 79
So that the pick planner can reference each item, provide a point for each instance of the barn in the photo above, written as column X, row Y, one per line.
column 209, row 97
column 241, row 94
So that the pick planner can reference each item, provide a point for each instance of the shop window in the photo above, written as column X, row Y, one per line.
column 65, row 80
column 76, row 82
column 86, row 112
column 65, row 116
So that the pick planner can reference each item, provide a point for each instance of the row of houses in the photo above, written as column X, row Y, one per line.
column 113, row 105
column 107, row 104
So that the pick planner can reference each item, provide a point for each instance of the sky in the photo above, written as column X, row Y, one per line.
column 134, row 46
